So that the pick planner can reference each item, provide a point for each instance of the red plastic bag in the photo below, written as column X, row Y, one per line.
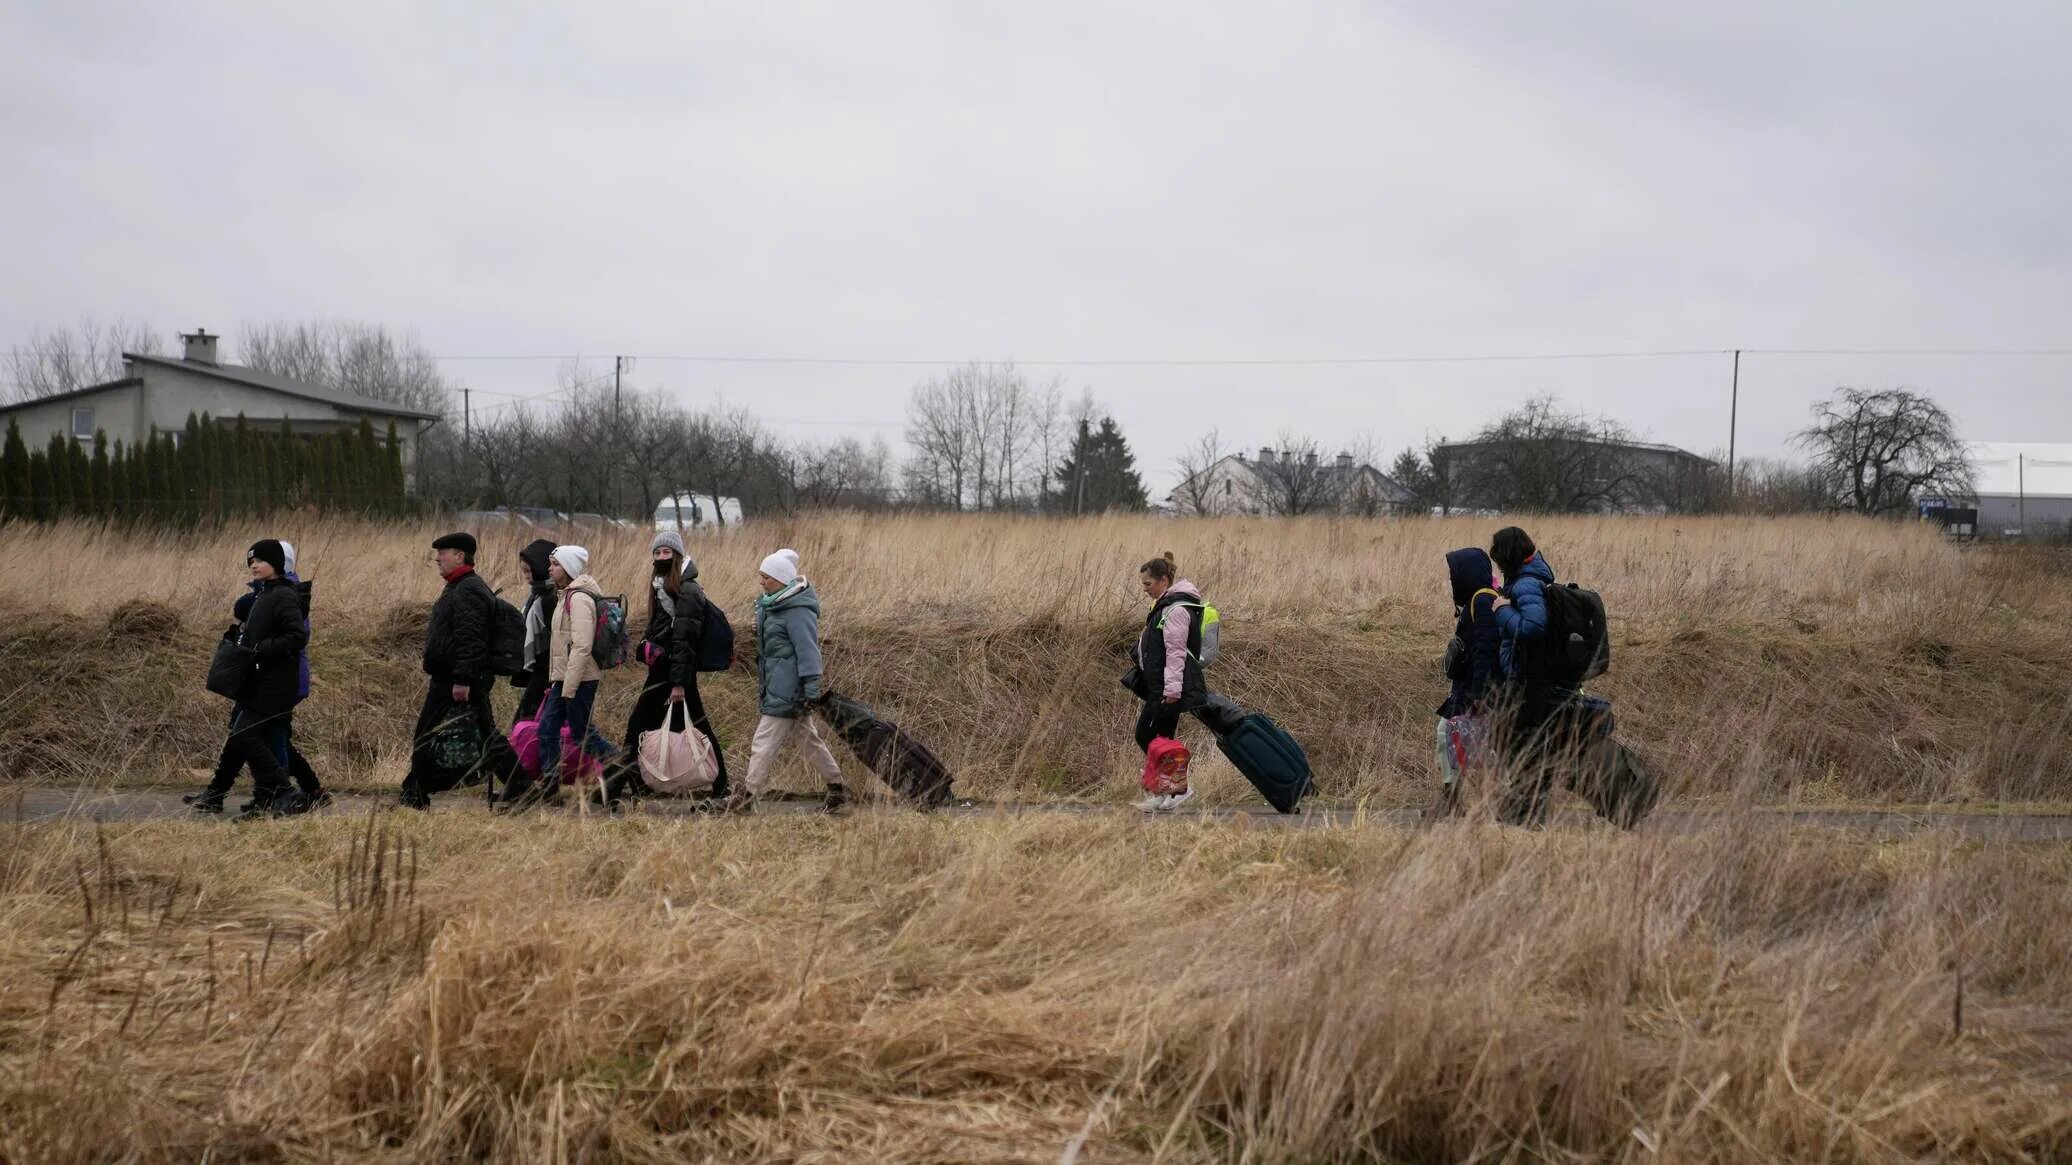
column 1165, row 766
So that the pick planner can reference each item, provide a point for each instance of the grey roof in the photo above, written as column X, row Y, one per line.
column 239, row 374
column 1643, row 446
column 125, row 382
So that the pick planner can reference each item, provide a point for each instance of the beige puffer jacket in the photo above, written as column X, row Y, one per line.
column 569, row 662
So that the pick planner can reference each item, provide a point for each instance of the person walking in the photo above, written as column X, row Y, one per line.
column 1528, row 725
column 230, row 760
column 276, row 634
column 791, row 678
column 1168, row 673
column 1472, row 665
column 573, row 675
column 459, row 682
column 538, row 612
column 675, row 629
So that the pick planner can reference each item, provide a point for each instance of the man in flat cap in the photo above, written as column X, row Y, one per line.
column 443, row 751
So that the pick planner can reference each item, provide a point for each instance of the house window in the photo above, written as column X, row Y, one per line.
column 83, row 424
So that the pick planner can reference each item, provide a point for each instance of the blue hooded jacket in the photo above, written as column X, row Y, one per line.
column 1475, row 626
column 1526, row 617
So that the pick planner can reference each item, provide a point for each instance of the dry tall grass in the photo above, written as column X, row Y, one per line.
column 905, row 989
column 1841, row 658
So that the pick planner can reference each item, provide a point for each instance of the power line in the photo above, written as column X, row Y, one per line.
column 1312, row 361
column 1129, row 363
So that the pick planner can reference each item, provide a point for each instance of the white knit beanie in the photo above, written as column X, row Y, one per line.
column 782, row 566
column 573, row 559
column 288, row 553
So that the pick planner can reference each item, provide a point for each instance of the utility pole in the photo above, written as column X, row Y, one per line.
column 610, row 478
column 467, row 419
column 2021, row 492
column 1733, row 422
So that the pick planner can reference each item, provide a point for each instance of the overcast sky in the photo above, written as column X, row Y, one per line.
column 1064, row 182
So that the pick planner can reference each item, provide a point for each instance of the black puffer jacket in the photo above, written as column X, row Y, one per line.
column 276, row 634
column 456, row 641
column 676, row 626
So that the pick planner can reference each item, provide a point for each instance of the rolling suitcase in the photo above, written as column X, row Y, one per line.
column 910, row 767
column 1269, row 758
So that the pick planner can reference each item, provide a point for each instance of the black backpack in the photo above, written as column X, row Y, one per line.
column 506, row 638
column 1577, row 646
column 716, row 648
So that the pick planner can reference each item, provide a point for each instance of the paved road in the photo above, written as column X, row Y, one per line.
column 46, row 803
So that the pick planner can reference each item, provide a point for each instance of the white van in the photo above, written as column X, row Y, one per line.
column 695, row 512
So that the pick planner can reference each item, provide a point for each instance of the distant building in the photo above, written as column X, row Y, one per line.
column 2022, row 487
column 1571, row 474
column 156, row 392
column 1237, row 485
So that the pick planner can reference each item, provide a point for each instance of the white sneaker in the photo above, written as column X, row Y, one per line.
column 1162, row 802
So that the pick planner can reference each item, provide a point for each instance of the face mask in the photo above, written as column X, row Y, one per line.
column 662, row 569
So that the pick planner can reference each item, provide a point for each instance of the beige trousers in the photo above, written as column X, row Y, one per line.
column 771, row 733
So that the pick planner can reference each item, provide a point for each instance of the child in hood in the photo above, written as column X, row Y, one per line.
column 1472, row 664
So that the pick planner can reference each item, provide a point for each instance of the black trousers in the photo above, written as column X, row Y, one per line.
column 499, row 762
column 280, row 732
column 1542, row 735
column 650, row 712
column 1157, row 719
column 252, row 741
column 534, row 695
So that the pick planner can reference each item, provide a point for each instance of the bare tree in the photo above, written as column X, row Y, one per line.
column 1195, row 496
column 66, row 359
column 843, row 474
column 1540, row 459
column 1296, row 482
column 982, row 437
column 509, row 451
column 361, row 358
column 1879, row 450
column 654, row 435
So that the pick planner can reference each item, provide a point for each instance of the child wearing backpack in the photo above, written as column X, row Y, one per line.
column 1472, row 666
column 573, row 674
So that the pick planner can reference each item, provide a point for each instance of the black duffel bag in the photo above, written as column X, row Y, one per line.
column 230, row 672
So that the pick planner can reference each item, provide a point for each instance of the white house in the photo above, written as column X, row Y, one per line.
column 1237, row 485
column 157, row 392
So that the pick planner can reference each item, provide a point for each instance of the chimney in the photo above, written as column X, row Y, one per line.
column 1266, row 455
column 1310, row 458
column 1345, row 461
column 201, row 347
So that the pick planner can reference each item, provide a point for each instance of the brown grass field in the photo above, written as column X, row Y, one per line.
column 1811, row 660
column 1091, row 987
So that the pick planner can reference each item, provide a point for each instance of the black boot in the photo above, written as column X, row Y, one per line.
column 836, row 802
column 205, row 802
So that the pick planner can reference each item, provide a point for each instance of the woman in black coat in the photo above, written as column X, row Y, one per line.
column 675, row 630
column 275, row 632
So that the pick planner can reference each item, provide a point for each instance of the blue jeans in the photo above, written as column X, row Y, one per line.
column 573, row 711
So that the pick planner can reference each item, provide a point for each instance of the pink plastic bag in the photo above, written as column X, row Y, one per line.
column 525, row 740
